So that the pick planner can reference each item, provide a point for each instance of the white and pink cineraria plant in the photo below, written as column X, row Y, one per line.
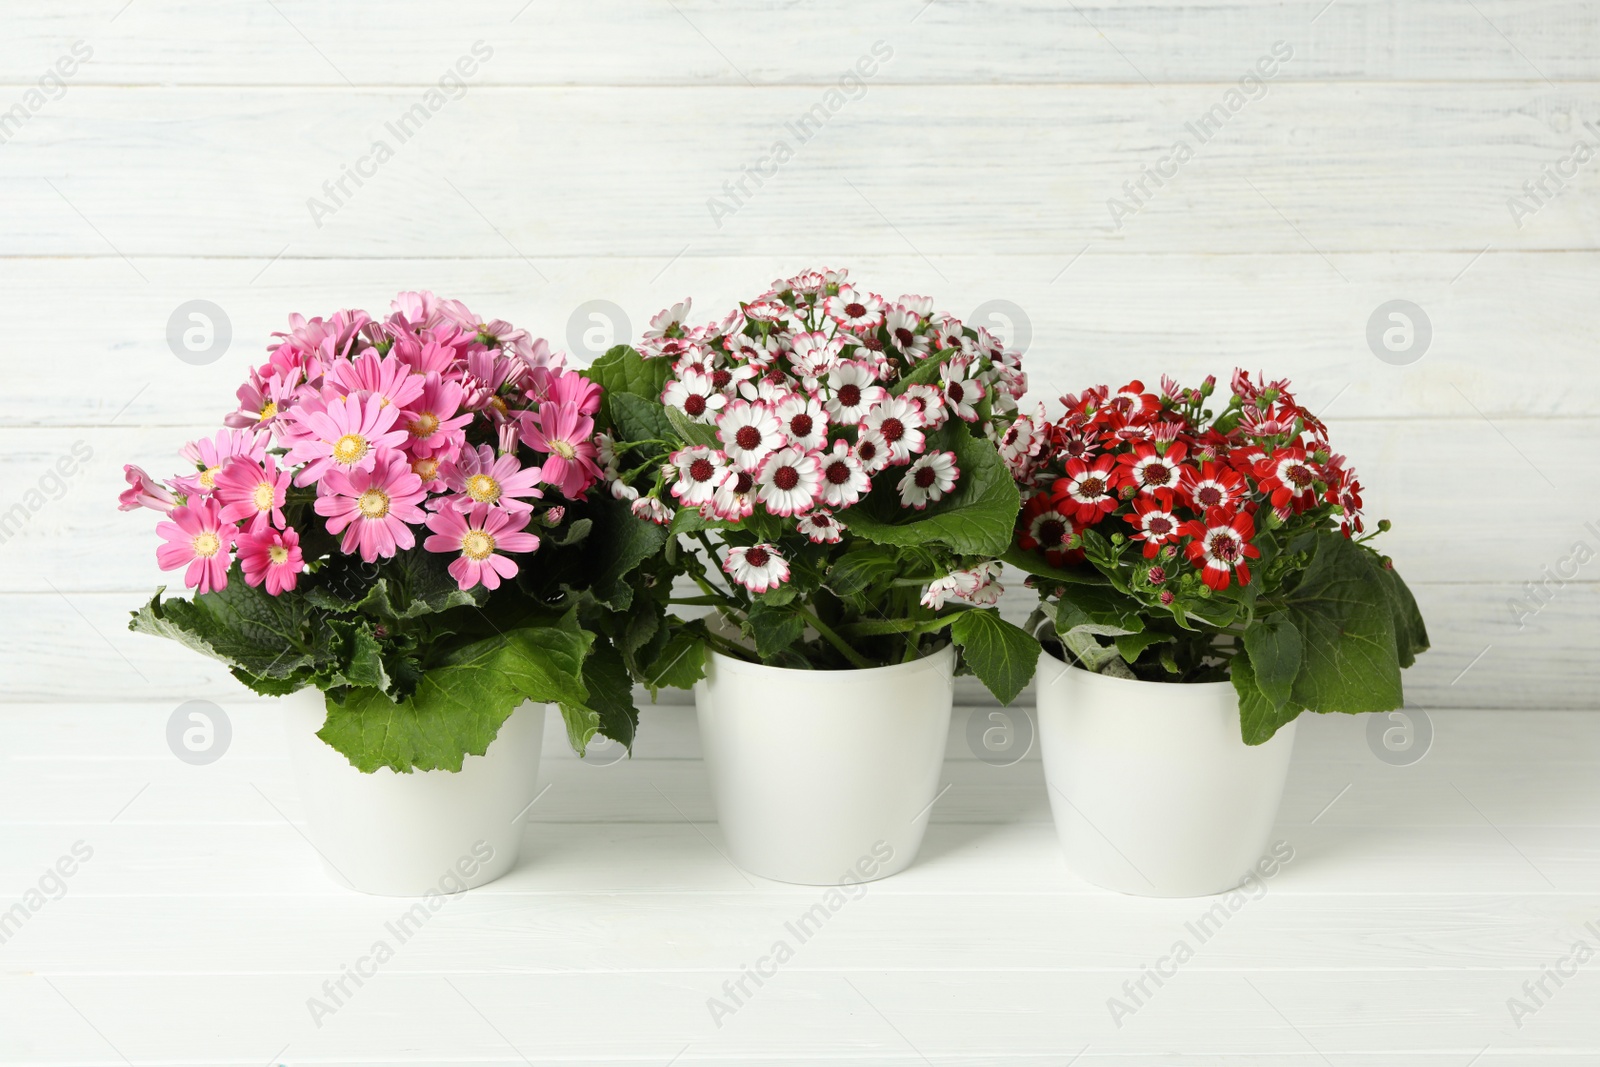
column 368, row 436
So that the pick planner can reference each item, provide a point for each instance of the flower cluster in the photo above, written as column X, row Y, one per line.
column 812, row 395
column 429, row 419
column 1160, row 470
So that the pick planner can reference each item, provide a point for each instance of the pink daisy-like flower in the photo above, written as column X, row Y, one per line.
column 872, row 450
column 844, row 478
column 961, row 392
column 700, row 471
column 900, row 423
column 559, row 386
column 756, row 351
column 813, row 353
column 144, row 492
column 821, row 527
column 749, row 432
column 789, row 481
column 693, row 393
column 852, row 391
column 480, row 535
column 373, row 507
column 483, row 480
column 211, row 454
column 732, row 501
column 434, row 420
column 652, row 509
column 345, row 435
column 757, row 568
column 805, row 424
column 251, row 490
column 198, row 537
column 567, row 438
column 930, row 403
column 854, row 311
column 669, row 321
column 263, row 398
column 271, row 556
column 372, row 375
column 902, row 324
column 928, row 479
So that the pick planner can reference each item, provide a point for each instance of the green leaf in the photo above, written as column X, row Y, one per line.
column 1097, row 610
column 1259, row 717
column 461, row 703
column 1276, row 652
column 680, row 663
column 925, row 373
column 610, row 694
column 639, row 418
column 690, row 431
column 1001, row 654
column 774, row 629
column 1410, row 633
column 582, row 724
column 1033, row 563
column 245, row 627
column 1341, row 607
column 620, row 542
column 855, row 572
column 622, row 371
column 1132, row 646
column 976, row 519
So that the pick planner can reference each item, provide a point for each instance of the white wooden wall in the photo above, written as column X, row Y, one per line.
column 974, row 164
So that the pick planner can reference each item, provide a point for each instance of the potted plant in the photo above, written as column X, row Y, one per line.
column 1204, row 578
column 824, row 460
column 392, row 535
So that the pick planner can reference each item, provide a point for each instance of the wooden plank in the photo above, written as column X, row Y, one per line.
column 698, row 42
column 1185, row 315
column 936, row 170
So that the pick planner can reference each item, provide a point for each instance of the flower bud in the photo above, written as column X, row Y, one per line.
column 1384, row 525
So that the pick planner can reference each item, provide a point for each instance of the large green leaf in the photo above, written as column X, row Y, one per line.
column 640, row 418
column 976, row 519
column 1276, row 652
column 1410, row 633
column 679, row 664
column 1342, row 609
column 1097, row 610
column 1033, row 563
column 774, row 629
column 1001, row 654
column 460, row 704
column 1259, row 717
column 623, row 371
column 691, row 432
column 245, row 627
column 610, row 694
column 619, row 543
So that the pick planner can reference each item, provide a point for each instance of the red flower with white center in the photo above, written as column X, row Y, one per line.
column 902, row 325
column 928, row 479
column 821, row 527
column 851, row 392
column 1087, row 493
column 1155, row 523
column 700, row 471
column 873, row 450
column 844, row 478
column 789, row 481
column 748, row 433
column 1289, row 478
column 1131, row 402
column 757, row 568
column 854, row 311
column 1150, row 471
column 732, row 502
column 694, row 394
column 1045, row 528
column 899, row 422
column 804, row 421
column 961, row 392
column 1213, row 486
column 1221, row 547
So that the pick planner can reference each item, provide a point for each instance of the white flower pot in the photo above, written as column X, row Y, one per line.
column 405, row 835
column 824, row 777
column 1152, row 789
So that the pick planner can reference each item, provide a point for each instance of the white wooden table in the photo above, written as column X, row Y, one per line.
column 1419, row 900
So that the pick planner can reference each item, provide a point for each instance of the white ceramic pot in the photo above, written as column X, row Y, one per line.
column 1152, row 789
column 404, row 835
column 824, row 777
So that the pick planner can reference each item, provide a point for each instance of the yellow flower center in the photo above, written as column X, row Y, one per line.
column 349, row 448
column 269, row 411
column 475, row 544
column 208, row 478
column 278, row 554
column 564, row 449
column 265, row 497
column 424, row 425
column 483, row 489
column 207, row 544
column 426, row 469
column 374, row 504
column 498, row 404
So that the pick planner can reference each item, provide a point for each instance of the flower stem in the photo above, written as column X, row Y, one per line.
column 856, row 659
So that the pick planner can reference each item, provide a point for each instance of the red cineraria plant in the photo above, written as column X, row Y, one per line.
column 1173, row 543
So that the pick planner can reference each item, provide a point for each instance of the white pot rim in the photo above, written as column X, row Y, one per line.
column 1113, row 682
column 734, row 665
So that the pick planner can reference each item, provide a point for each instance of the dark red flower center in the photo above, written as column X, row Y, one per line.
column 924, row 477
column 855, row 310
column 1159, row 526
column 850, row 394
column 694, row 404
column 1052, row 532
column 743, row 482
column 721, row 377
column 1092, row 486
column 838, row 472
column 904, row 336
column 701, row 470
column 892, row 429
column 785, row 478
column 1299, row 474
column 956, row 392
column 1209, row 496
column 801, row 425
column 872, row 344
column 747, row 438
column 757, row 557
column 1157, row 474
column 866, row 451
column 1225, row 547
